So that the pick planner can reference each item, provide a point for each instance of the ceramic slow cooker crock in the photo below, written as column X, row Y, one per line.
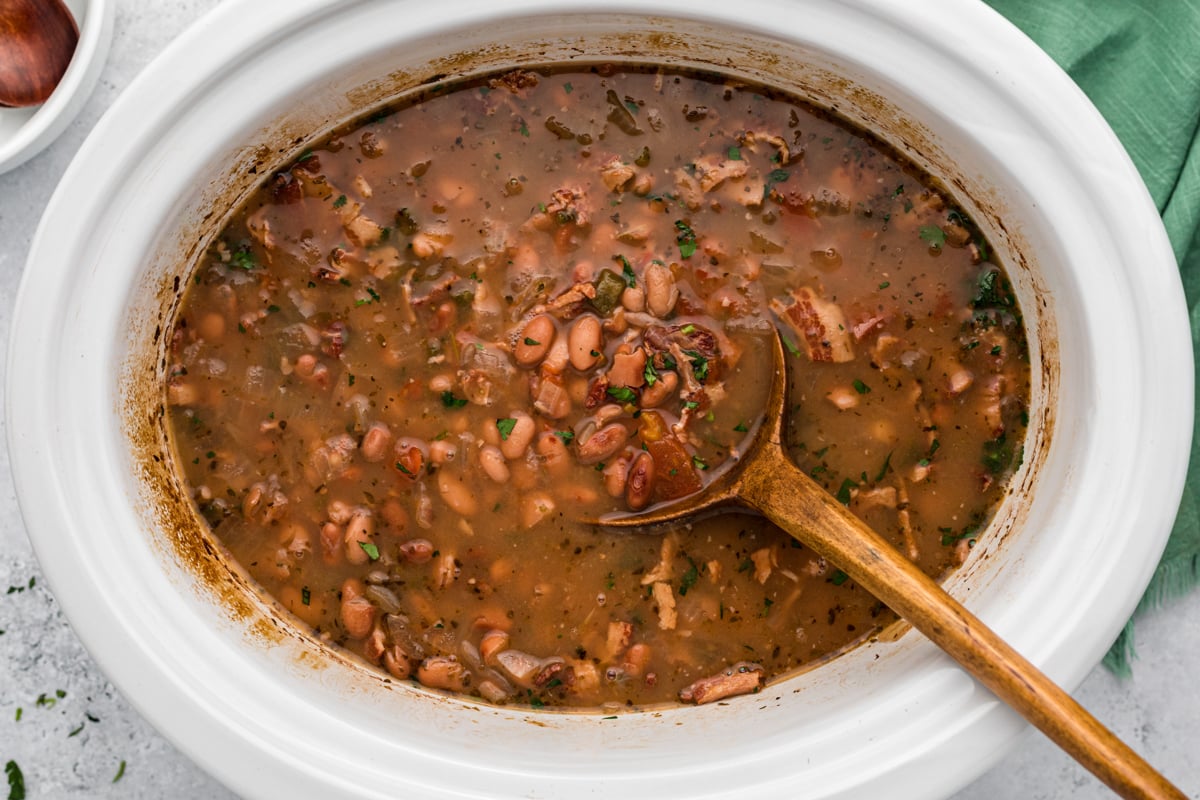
column 273, row 713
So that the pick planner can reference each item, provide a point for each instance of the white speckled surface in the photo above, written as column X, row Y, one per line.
column 73, row 746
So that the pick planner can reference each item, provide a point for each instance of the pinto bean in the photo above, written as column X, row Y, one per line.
column 661, row 291
column 534, row 340
column 442, row 452
column 339, row 511
column 333, row 543
column 616, row 473
column 493, row 642
column 603, row 443
column 417, row 551
column 395, row 515
column 212, row 327
column 384, row 597
column 658, row 392
column 639, row 483
column 634, row 299
column 456, row 493
column 535, row 507
column 443, row 672
column 585, row 343
column 397, row 663
column 553, row 452
column 376, row 443
column 359, row 531
column 493, row 463
column 296, row 539
column 358, row 615
column 520, row 437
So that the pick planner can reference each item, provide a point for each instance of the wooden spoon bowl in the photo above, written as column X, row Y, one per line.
column 37, row 40
column 766, row 480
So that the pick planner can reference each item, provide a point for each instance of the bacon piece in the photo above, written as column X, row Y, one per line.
column 820, row 324
column 742, row 678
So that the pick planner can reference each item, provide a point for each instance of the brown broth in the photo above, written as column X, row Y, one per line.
column 372, row 336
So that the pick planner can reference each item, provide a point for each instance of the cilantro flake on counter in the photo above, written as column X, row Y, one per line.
column 16, row 781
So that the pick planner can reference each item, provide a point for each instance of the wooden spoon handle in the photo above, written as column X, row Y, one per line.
column 797, row 504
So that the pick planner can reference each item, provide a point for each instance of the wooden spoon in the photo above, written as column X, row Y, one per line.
column 766, row 479
column 37, row 40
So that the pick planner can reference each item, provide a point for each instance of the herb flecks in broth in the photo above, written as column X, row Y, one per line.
column 423, row 350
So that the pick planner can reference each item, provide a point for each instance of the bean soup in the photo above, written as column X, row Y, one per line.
column 426, row 348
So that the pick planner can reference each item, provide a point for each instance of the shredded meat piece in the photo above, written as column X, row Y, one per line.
column 820, row 324
column 616, row 174
column 572, row 302
column 764, row 562
column 714, row 170
column 742, row 678
column 666, row 554
column 664, row 596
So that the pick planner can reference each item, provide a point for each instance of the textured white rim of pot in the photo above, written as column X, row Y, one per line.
column 25, row 132
column 890, row 719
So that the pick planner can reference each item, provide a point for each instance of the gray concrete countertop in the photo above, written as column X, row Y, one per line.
column 74, row 736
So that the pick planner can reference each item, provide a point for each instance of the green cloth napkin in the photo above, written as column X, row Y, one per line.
column 1139, row 62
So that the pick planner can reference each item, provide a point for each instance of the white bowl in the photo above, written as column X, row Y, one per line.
column 272, row 714
column 25, row 132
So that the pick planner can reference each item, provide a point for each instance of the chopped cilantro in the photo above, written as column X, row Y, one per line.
column 699, row 364
column 626, row 270
column 843, row 493
column 505, row 426
column 934, row 235
column 531, row 342
column 839, row 578
column 649, row 374
column 450, row 401
column 885, row 284
column 120, row 772
column 689, row 578
column 996, row 350
column 566, row 436
column 305, row 595
column 341, row 201
column 791, row 347
column 699, row 463
column 861, row 387
column 16, row 781
column 741, row 427
column 734, row 153
column 685, row 238
column 243, row 259
column 370, row 549
column 622, row 393
column 887, row 464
